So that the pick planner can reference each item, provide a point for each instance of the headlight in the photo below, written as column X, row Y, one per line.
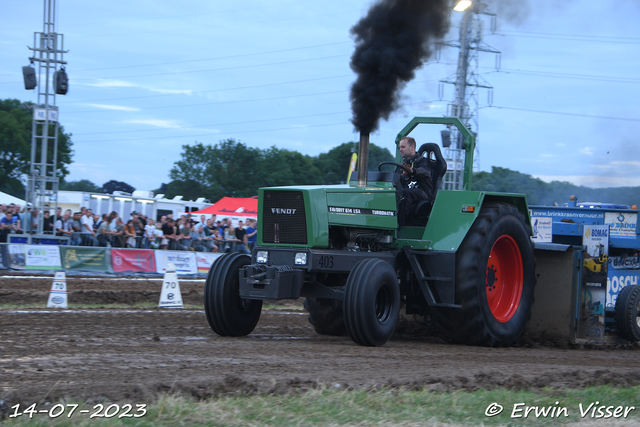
column 262, row 257
column 301, row 258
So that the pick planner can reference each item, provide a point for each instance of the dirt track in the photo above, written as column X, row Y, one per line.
column 131, row 355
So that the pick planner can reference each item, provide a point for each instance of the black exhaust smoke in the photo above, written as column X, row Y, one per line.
column 392, row 41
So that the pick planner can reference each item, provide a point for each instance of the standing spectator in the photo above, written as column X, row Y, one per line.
column 30, row 220
column 47, row 222
column 86, row 229
column 98, row 221
column 113, row 220
column 118, row 233
column 159, row 239
column 241, row 236
column 8, row 225
column 252, row 233
column 76, row 223
column 224, row 225
column 130, row 234
column 217, row 239
column 230, row 240
column 58, row 214
column 3, row 210
column 64, row 228
column 149, row 234
column 104, row 232
column 211, row 226
column 170, row 234
column 138, row 227
column 184, row 237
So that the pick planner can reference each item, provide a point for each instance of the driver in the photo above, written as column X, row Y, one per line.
column 417, row 184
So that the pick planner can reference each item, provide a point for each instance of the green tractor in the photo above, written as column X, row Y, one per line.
column 465, row 261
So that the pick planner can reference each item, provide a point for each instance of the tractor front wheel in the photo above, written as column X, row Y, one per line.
column 495, row 278
column 228, row 314
column 371, row 302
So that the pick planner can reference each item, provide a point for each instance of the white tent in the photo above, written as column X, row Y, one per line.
column 8, row 198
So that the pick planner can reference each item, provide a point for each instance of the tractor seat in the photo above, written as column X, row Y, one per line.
column 430, row 151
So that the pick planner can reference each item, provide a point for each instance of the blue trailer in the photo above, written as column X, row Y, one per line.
column 589, row 252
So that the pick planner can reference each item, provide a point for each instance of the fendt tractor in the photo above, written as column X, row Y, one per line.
column 464, row 261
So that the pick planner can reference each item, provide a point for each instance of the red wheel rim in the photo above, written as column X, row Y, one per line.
column 504, row 278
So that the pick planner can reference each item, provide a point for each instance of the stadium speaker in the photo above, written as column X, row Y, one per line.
column 29, row 74
column 62, row 81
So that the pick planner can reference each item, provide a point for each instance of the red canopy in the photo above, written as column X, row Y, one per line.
column 230, row 206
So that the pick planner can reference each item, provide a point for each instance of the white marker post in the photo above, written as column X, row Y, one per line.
column 58, row 294
column 170, row 296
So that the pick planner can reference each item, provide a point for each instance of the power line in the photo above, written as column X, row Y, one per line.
column 562, row 113
column 221, row 102
column 212, row 90
column 219, row 69
column 572, row 37
column 216, row 57
column 614, row 79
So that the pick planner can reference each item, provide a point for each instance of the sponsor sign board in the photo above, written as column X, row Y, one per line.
column 204, row 260
column 578, row 215
column 625, row 262
column 185, row 262
column 141, row 260
column 617, row 280
column 84, row 258
column 4, row 260
column 42, row 257
column 622, row 224
column 542, row 229
column 16, row 257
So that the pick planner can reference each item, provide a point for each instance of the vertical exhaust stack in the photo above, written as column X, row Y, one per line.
column 363, row 159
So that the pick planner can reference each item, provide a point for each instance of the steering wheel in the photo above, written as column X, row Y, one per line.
column 399, row 167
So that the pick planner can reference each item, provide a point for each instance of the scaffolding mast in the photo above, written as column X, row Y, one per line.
column 42, row 187
column 467, row 82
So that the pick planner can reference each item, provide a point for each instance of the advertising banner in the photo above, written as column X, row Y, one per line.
column 4, row 259
column 594, row 280
column 17, row 259
column 204, row 260
column 42, row 257
column 623, row 224
column 542, row 229
column 185, row 262
column 617, row 280
column 85, row 258
column 141, row 260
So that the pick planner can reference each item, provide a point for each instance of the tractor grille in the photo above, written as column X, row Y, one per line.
column 283, row 218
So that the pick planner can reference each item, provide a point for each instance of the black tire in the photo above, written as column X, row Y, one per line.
column 627, row 313
column 228, row 314
column 326, row 316
column 371, row 302
column 495, row 279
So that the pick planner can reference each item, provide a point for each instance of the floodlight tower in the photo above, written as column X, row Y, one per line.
column 48, row 52
column 467, row 83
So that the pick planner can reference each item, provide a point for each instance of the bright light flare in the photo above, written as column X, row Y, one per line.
column 462, row 5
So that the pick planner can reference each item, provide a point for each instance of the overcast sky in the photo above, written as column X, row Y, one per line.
column 147, row 77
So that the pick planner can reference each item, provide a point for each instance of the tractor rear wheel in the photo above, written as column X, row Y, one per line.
column 228, row 314
column 495, row 278
column 326, row 315
column 371, row 302
column 627, row 313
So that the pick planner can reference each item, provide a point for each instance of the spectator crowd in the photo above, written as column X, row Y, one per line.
column 85, row 228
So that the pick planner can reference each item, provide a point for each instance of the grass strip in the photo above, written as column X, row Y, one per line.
column 329, row 406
